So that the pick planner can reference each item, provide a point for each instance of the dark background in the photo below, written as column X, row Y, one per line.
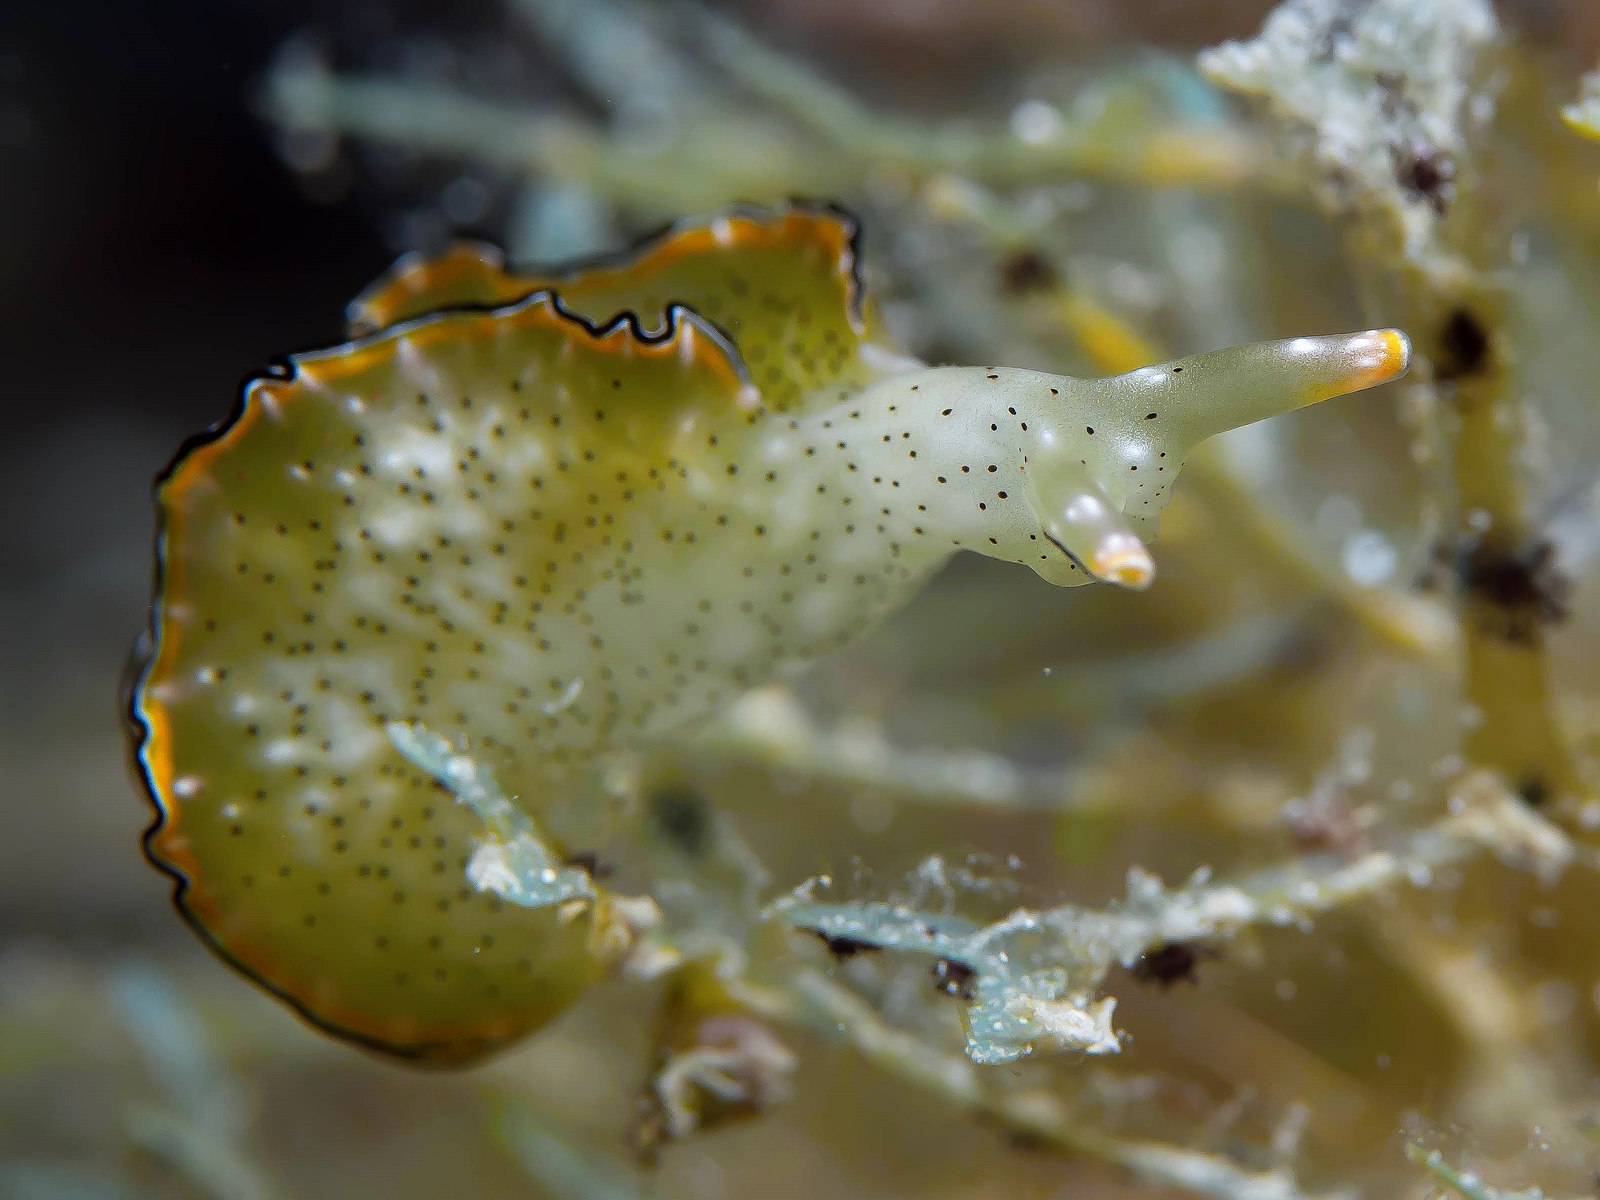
column 153, row 250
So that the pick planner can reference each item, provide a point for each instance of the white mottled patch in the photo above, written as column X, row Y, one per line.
column 280, row 751
column 569, row 697
column 397, row 525
column 411, row 448
column 489, row 869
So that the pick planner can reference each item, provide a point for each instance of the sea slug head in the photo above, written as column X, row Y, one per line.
column 1099, row 456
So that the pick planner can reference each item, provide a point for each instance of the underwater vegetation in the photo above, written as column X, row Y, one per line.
column 612, row 672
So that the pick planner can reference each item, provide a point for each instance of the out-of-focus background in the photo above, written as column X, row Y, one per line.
column 159, row 240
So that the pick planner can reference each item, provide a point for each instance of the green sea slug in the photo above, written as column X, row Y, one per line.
column 553, row 517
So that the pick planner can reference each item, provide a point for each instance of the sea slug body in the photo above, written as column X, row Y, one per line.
column 555, row 516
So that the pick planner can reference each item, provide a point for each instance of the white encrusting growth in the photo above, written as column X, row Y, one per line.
column 1384, row 96
column 1064, row 475
column 515, row 864
column 1030, row 981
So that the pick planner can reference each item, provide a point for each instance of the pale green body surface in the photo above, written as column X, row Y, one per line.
column 548, row 542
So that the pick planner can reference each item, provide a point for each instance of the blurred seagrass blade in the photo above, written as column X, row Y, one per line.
column 561, row 1169
column 199, row 1128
